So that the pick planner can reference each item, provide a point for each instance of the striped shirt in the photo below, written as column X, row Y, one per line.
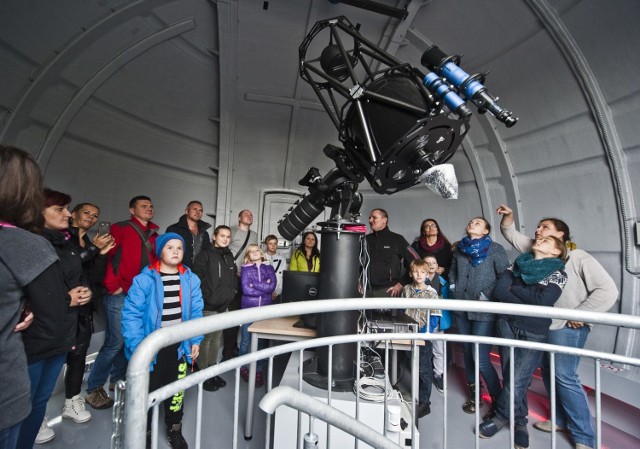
column 171, row 309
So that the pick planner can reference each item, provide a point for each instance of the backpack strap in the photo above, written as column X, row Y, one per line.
column 244, row 245
column 147, row 247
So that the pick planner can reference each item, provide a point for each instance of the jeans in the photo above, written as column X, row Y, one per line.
column 481, row 329
column 572, row 406
column 43, row 375
column 525, row 363
column 210, row 346
column 425, row 373
column 9, row 436
column 245, row 344
column 112, row 350
column 438, row 354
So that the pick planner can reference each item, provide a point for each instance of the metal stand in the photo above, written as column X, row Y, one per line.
column 338, row 279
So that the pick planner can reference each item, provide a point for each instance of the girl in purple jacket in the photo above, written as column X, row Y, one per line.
column 258, row 281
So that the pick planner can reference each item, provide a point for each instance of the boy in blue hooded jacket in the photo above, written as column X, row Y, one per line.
column 164, row 294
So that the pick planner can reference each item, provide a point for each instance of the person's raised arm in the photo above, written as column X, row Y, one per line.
column 519, row 241
column 507, row 215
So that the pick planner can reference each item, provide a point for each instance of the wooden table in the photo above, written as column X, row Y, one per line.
column 282, row 329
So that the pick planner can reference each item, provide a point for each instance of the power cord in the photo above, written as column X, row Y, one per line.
column 374, row 389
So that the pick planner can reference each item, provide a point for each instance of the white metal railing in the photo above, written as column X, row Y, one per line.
column 138, row 400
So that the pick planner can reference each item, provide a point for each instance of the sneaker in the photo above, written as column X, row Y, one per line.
column 74, row 409
column 489, row 428
column 470, row 406
column 545, row 426
column 175, row 438
column 422, row 410
column 210, row 384
column 220, row 381
column 46, row 433
column 490, row 414
column 438, row 383
column 521, row 437
column 99, row 399
column 582, row 446
column 244, row 374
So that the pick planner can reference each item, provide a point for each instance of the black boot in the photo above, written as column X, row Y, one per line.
column 492, row 411
column 470, row 405
column 175, row 438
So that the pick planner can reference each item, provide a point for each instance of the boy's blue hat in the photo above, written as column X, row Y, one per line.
column 164, row 238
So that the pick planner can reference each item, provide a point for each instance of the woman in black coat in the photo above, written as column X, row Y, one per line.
column 54, row 298
column 93, row 255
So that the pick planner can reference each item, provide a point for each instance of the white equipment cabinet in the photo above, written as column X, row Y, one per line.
column 371, row 414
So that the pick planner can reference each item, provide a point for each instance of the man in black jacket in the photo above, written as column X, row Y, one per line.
column 387, row 251
column 217, row 272
column 193, row 230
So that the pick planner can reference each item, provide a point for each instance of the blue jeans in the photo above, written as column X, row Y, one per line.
column 481, row 329
column 525, row 363
column 110, row 359
column 425, row 373
column 572, row 406
column 43, row 375
column 245, row 344
column 9, row 436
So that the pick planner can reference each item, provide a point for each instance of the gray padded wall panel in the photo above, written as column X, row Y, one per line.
column 155, row 123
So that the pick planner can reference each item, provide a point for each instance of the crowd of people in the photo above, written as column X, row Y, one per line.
column 54, row 275
column 550, row 271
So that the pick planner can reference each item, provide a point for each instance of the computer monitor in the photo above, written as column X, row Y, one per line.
column 301, row 286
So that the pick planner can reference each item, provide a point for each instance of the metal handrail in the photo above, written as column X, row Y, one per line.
column 288, row 396
column 138, row 371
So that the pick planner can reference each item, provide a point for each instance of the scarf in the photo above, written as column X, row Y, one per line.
column 533, row 270
column 430, row 249
column 476, row 249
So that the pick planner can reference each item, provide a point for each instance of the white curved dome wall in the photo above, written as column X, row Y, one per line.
column 119, row 98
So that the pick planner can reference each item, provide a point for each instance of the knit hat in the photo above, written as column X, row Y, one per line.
column 164, row 238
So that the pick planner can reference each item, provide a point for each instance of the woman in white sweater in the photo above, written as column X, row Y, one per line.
column 589, row 287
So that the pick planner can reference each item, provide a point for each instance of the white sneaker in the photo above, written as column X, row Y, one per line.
column 74, row 409
column 45, row 433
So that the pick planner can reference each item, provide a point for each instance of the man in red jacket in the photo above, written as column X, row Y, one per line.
column 135, row 249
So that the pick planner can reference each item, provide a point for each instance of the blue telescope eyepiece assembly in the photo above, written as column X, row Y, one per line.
column 470, row 87
column 449, row 97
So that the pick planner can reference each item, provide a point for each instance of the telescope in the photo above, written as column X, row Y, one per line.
column 395, row 122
